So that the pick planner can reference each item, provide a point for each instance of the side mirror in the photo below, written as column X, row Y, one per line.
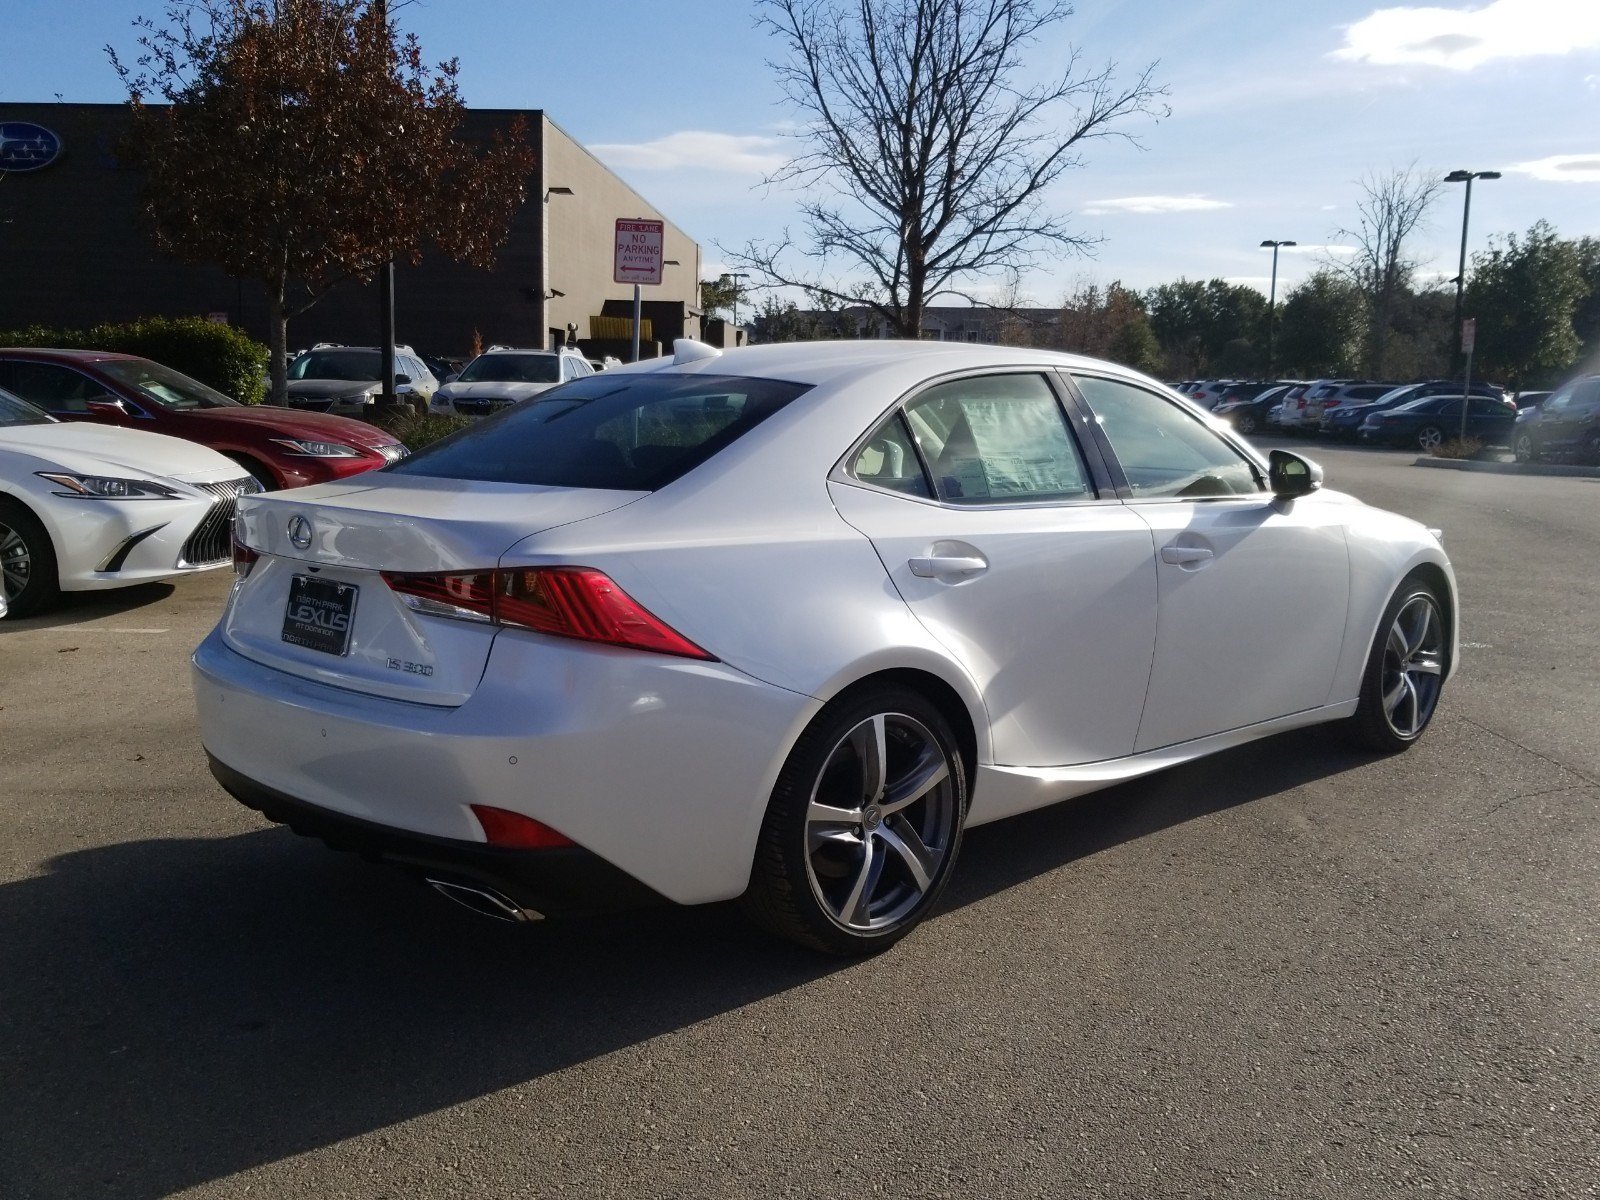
column 452, row 378
column 402, row 379
column 108, row 406
column 1291, row 476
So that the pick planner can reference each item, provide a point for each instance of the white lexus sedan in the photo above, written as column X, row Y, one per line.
column 85, row 507
column 779, row 624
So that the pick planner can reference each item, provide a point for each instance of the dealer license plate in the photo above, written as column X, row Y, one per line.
column 320, row 614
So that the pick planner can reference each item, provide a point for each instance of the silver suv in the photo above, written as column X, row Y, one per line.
column 345, row 380
column 503, row 375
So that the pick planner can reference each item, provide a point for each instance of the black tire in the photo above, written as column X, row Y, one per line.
column 1591, row 449
column 27, row 562
column 1405, row 670
column 1429, row 437
column 1523, row 449
column 856, row 883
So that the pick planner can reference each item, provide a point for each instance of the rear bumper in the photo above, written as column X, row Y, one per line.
column 660, row 766
column 565, row 880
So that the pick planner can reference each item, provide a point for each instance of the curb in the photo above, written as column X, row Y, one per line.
column 1500, row 468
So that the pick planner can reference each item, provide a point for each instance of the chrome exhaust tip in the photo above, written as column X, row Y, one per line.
column 484, row 901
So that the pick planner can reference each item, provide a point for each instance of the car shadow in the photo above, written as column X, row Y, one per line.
column 177, row 1011
column 76, row 608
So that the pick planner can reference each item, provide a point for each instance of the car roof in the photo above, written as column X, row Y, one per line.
column 823, row 362
column 73, row 355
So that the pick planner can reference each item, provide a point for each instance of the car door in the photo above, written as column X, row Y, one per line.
column 1489, row 420
column 1567, row 417
column 996, row 531
column 1252, row 591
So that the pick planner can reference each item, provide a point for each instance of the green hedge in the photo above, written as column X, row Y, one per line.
column 219, row 355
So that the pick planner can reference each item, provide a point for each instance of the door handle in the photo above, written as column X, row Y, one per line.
column 937, row 566
column 1184, row 555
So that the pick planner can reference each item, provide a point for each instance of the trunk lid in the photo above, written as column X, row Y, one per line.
column 315, row 603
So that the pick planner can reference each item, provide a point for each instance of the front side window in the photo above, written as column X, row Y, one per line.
column 997, row 439
column 626, row 432
column 1165, row 451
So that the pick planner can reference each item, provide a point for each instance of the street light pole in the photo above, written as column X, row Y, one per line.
column 1272, row 309
column 1465, row 177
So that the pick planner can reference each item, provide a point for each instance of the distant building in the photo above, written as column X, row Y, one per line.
column 77, row 252
column 950, row 323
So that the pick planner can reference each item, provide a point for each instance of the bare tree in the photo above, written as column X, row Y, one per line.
column 927, row 163
column 1394, row 206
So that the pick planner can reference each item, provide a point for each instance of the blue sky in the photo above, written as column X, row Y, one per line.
column 1279, row 107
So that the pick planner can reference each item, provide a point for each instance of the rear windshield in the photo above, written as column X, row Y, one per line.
column 501, row 367
column 629, row 432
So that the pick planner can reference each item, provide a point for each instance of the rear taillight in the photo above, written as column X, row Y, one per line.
column 243, row 557
column 570, row 602
column 515, row 831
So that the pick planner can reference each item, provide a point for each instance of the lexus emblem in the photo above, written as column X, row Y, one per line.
column 300, row 533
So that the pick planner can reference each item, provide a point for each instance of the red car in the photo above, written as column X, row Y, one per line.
column 281, row 447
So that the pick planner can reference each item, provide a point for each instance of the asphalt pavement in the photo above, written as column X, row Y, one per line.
column 1290, row 970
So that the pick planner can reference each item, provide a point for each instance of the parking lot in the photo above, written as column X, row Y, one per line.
column 1290, row 969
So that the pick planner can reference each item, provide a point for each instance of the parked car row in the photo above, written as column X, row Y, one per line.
column 116, row 470
column 1535, row 424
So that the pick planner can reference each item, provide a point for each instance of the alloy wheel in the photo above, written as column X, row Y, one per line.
column 1430, row 438
column 16, row 562
column 1413, row 666
column 881, row 819
column 1522, row 447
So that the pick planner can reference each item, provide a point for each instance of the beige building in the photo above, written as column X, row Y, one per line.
column 78, row 254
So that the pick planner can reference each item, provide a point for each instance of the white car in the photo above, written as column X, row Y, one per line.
column 502, row 375
column 85, row 507
column 779, row 624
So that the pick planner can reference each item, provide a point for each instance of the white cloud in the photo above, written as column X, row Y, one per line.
column 1316, row 248
column 1152, row 204
column 1463, row 38
column 1563, row 168
column 752, row 154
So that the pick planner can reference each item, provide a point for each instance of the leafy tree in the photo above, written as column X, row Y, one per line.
column 928, row 160
column 1586, row 321
column 1524, row 293
column 1205, row 327
column 717, row 295
column 303, row 143
column 1394, row 206
column 1110, row 322
column 1321, row 325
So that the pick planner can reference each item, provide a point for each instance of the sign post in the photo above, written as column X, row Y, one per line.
column 638, row 261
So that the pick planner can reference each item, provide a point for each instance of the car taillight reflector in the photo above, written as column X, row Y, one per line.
column 572, row 602
column 515, row 831
column 243, row 557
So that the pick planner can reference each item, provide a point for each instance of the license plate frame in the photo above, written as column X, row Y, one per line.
column 320, row 614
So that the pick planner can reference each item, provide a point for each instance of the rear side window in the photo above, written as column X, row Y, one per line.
column 997, row 439
column 626, row 432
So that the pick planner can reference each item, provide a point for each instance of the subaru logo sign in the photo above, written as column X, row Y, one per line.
column 25, row 146
column 299, row 533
